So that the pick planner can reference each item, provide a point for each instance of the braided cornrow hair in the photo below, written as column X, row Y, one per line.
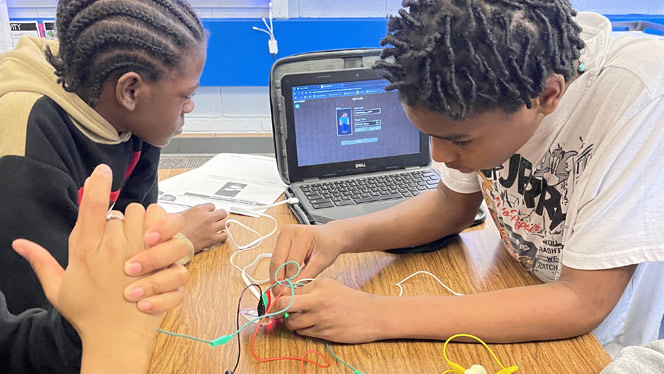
column 463, row 57
column 100, row 39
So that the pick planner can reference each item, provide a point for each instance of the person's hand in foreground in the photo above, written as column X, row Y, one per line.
column 91, row 292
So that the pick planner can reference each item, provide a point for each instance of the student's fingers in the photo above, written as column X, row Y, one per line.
column 219, row 215
column 164, row 228
column 133, row 227
column 161, row 303
column 167, row 280
column 301, row 303
column 219, row 225
column 284, row 250
column 301, row 253
column 114, row 243
column 93, row 208
column 216, row 239
column 221, row 236
column 313, row 266
column 313, row 332
column 48, row 270
column 279, row 256
column 208, row 207
column 157, row 257
column 298, row 321
column 153, row 214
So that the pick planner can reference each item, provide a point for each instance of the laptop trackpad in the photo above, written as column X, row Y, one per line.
column 326, row 215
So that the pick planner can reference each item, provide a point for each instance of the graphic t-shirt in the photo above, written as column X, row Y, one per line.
column 586, row 190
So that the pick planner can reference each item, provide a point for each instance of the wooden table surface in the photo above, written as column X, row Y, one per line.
column 476, row 262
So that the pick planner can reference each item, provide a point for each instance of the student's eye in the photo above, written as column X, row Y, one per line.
column 188, row 97
column 461, row 143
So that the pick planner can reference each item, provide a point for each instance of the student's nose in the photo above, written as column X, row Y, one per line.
column 442, row 152
column 188, row 107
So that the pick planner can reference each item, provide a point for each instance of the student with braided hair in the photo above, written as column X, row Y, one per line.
column 536, row 110
column 113, row 90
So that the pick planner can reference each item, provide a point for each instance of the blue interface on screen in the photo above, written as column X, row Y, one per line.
column 350, row 121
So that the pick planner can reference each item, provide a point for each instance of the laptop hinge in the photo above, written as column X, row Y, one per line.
column 308, row 180
column 412, row 167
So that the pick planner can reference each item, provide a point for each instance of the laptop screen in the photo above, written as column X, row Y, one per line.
column 350, row 121
column 343, row 122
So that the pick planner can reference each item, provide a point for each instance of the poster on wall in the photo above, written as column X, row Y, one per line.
column 19, row 29
column 5, row 33
column 49, row 30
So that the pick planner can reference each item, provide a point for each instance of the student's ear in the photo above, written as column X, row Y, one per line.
column 548, row 101
column 128, row 88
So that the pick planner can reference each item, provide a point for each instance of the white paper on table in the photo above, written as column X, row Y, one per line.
column 227, row 180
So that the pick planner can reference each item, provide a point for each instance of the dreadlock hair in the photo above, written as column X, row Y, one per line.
column 464, row 57
column 102, row 39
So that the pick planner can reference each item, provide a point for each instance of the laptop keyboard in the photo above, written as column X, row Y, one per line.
column 370, row 189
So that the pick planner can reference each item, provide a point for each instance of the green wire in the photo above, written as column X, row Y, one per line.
column 355, row 371
column 292, row 286
column 226, row 338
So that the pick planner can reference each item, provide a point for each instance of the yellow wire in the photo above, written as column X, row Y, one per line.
column 479, row 340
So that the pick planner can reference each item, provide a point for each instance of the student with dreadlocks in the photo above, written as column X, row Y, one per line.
column 125, row 74
column 558, row 127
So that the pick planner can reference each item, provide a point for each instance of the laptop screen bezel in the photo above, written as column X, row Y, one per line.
column 299, row 173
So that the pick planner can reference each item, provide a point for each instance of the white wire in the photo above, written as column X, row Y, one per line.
column 268, row 28
column 426, row 272
column 271, row 25
column 257, row 29
column 248, row 279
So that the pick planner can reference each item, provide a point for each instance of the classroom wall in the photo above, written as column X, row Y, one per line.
column 245, row 109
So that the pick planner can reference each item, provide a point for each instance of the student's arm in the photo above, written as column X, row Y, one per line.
column 37, row 341
column 572, row 306
column 420, row 220
column 38, row 202
column 141, row 185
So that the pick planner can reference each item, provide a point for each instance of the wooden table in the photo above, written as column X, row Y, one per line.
column 474, row 263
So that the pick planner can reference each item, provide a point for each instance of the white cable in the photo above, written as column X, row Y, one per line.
column 268, row 27
column 267, row 32
column 272, row 45
column 270, row 15
column 426, row 272
column 246, row 277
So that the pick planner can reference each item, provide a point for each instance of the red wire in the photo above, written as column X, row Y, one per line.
column 302, row 359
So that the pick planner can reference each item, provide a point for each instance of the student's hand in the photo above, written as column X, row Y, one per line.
column 116, row 336
column 328, row 310
column 156, row 255
column 205, row 226
column 313, row 247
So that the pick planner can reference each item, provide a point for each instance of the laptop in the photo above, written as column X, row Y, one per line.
column 350, row 148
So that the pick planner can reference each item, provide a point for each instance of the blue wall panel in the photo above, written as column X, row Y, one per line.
column 238, row 55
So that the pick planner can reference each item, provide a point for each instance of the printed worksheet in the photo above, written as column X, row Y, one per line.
column 238, row 183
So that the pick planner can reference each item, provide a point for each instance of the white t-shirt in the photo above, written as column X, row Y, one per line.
column 587, row 190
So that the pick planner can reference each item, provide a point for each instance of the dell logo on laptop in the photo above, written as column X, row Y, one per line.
column 360, row 165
